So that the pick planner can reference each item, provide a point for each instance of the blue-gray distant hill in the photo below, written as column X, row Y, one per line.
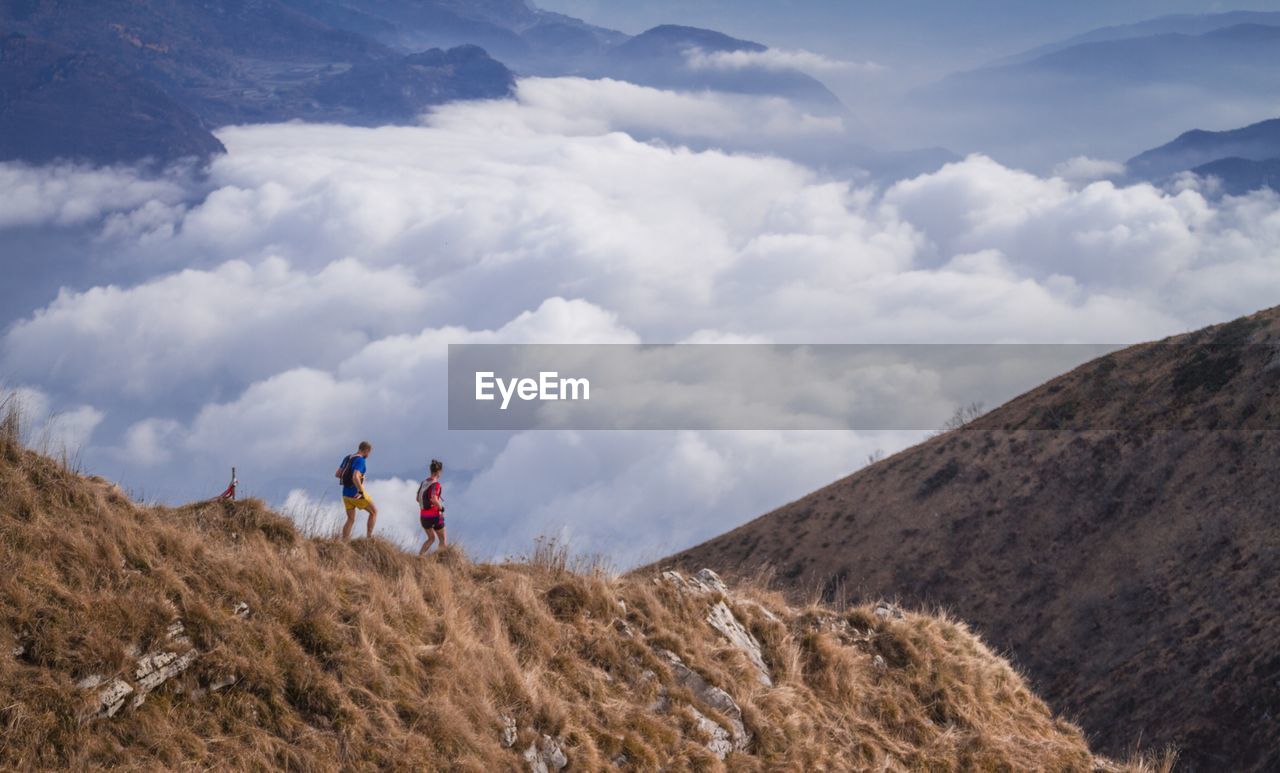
column 1238, row 176
column 667, row 56
column 537, row 42
column 1242, row 159
column 1182, row 24
column 1107, row 97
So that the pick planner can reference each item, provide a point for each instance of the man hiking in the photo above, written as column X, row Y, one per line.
column 351, row 473
column 431, row 507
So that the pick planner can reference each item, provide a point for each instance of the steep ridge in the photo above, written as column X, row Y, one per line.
column 1129, row 558
column 216, row 635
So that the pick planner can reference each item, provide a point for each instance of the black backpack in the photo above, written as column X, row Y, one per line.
column 345, row 473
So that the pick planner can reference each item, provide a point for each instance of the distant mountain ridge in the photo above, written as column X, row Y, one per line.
column 1106, row 97
column 1197, row 149
column 661, row 57
column 1130, row 561
column 1184, row 24
column 186, row 67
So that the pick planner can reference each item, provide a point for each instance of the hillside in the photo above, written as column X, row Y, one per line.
column 1114, row 530
column 216, row 635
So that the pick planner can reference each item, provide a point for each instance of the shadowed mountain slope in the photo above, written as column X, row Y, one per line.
column 1129, row 559
column 180, row 68
column 216, row 634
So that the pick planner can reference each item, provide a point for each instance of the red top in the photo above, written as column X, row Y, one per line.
column 438, row 490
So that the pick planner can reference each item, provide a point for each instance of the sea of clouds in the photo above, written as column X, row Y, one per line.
column 299, row 296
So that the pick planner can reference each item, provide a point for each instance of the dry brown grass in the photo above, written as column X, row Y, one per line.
column 364, row 657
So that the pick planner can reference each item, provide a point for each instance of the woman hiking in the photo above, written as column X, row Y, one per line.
column 431, row 507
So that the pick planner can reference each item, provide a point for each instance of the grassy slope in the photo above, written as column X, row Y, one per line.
column 364, row 657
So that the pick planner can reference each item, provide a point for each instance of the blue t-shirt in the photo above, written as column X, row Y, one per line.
column 357, row 465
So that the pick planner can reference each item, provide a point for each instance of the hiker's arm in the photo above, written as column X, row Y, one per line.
column 435, row 498
column 358, row 478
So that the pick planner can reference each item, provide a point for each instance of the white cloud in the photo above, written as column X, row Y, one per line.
column 307, row 300
column 397, row 512
column 636, row 496
column 49, row 426
column 776, row 59
column 581, row 107
column 239, row 320
column 71, row 194
column 149, row 442
column 1083, row 168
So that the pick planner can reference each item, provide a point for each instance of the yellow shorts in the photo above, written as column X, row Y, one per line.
column 356, row 503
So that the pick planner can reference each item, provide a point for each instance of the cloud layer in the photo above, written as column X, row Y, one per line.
column 776, row 59
column 302, row 297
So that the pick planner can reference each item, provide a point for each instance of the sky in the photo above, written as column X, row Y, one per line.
column 924, row 36
column 299, row 296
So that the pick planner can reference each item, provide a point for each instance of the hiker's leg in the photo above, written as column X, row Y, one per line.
column 431, row 537
column 440, row 531
column 373, row 518
column 351, row 521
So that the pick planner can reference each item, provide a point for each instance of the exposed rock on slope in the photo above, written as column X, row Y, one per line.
column 259, row 648
column 1129, row 560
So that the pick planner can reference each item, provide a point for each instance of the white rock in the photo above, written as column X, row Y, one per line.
column 157, row 668
column 241, row 609
column 886, row 611
column 674, row 578
column 711, row 696
column 534, row 760
column 509, row 731
column 552, row 754
column 91, row 681
column 223, row 681
column 723, row 620
column 720, row 743
column 710, row 582
column 111, row 698
column 707, row 582
column 547, row 759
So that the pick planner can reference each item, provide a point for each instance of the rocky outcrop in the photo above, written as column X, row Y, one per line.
column 723, row 741
column 545, row 756
column 153, row 669
column 723, row 620
column 707, row 583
